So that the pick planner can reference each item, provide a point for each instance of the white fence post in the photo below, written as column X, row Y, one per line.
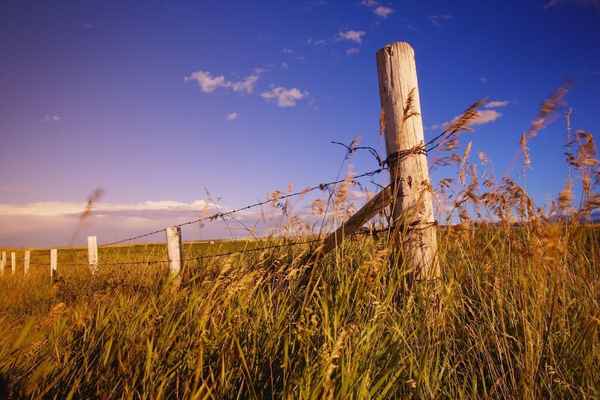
column 2, row 263
column 93, row 253
column 26, row 261
column 175, row 250
column 53, row 264
column 13, row 262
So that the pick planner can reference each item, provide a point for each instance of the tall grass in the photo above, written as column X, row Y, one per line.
column 515, row 315
column 512, row 319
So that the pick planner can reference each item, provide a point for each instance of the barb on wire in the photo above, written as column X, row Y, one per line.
column 353, row 148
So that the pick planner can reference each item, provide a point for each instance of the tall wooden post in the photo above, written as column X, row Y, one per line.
column 2, row 263
column 13, row 262
column 93, row 253
column 175, row 252
column 26, row 262
column 403, row 129
column 53, row 265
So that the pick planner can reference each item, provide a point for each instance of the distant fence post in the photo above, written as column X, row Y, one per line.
column 2, row 263
column 175, row 251
column 93, row 253
column 53, row 264
column 404, row 140
column 13, row 262
column 26, row 262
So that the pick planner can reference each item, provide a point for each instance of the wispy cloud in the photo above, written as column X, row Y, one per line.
column 378, row 9
column 483, row 117
column 439, row 20
column 352, row 51
column 497, row 104
column 59, row 208
column 581, row 3
column 232, row 116
column 209, row 83
column 51, row 118
column 383, row 11
column 284, row 97
column 285, row 50
column 316, row 42
column 483, row 80
column 352, row 36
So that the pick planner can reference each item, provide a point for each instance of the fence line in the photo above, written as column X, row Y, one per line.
column 217, row 215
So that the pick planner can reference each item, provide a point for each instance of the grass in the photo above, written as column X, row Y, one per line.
column 516, row 317
column 516, row 313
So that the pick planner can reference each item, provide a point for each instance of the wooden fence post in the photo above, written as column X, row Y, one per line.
column 403, row 129
column 53, row 264
column 93, row 253
column 26, row 262
column 13, row 262
column 2, row 263
column 175, row 251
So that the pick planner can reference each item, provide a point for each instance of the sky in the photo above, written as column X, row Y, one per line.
column 164, row 103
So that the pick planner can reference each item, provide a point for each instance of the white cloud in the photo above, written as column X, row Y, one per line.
column 353, row 50
column 497, row 104
column 51, row 118
column 284, row 65
column 61, row 208
column 247, row 85
column 482, row 117
column 209, row 83
column 383, row 11
column 378, row 9
column 287, row 51
column 284, row 97
column 438, row 20
column 232, row 116
column 352, row 36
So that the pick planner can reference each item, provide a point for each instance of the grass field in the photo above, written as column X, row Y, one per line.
column 517, row 316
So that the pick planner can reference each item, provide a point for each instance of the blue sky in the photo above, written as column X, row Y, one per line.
column 94, row 94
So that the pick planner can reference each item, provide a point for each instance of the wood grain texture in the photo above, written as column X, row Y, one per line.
column 403, row 131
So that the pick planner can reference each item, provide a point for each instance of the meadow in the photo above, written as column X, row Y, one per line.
column 516, row 314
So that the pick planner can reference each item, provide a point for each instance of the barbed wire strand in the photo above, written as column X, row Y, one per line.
column 212, row 217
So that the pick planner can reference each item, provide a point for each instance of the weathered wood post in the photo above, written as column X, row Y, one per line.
column 13, row 262
column 2, row 263
column 53, row 264
column 93, row 253
column 26, row 262
column 403, row 128
column 175, row 252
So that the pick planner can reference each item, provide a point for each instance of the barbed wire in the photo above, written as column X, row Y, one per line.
column 217, row 215
column 365, row 232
